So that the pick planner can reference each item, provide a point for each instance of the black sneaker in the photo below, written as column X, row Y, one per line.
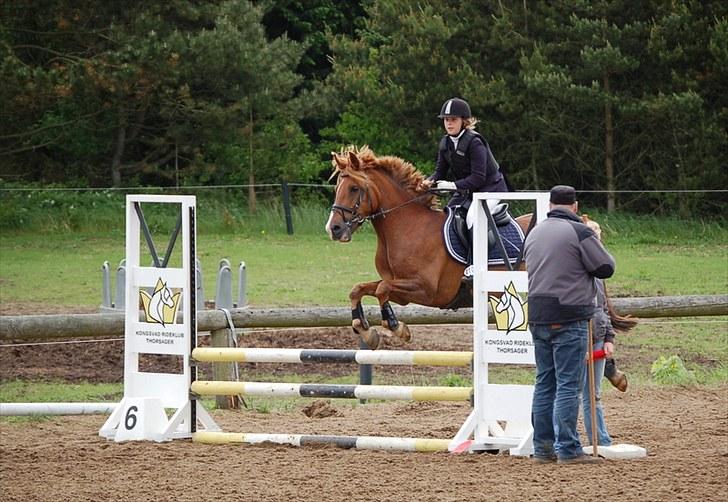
column 544, row 460
column 581, row 459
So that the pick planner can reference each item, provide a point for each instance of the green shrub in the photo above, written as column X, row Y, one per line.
column 672, row 371
column 454, row 380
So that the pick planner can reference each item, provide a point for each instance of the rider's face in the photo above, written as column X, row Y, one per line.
column 453, row 125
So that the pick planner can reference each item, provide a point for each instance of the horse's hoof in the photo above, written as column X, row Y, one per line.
column 371, row 338
column 402, row 332
column 356, row 325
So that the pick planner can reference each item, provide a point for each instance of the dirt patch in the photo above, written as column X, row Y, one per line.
column 685, row 431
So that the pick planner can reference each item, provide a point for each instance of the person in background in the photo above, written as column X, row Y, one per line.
column 563, row 258
column 603, row 339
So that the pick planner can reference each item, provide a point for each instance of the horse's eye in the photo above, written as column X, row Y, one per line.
column 354, row 189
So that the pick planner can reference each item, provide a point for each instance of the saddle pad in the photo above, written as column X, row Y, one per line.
column 511, row 235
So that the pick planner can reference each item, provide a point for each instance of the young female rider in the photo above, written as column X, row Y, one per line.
column 464, row 160
column 464, row 156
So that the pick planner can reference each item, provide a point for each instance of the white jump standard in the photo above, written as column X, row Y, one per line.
column 161, row 290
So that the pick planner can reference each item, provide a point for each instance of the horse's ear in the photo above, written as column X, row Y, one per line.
column 354, row 161
column 337, row 160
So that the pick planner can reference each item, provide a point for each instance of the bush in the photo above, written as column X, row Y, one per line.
column 672, row 371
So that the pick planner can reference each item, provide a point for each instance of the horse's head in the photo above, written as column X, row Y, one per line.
column 355, row 199
column 167, row 297
column 365, row 184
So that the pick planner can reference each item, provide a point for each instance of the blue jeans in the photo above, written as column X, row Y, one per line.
column 560, row 361
column 602, row 434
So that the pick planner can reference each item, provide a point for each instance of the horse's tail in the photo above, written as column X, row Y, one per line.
column 620, row 323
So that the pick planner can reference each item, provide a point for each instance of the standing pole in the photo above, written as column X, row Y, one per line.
column 287, row 207
column 592, row 387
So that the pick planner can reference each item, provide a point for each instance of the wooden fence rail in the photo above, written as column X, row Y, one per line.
column 112, row 324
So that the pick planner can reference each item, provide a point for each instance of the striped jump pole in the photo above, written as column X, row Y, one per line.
column 346, row 442
column 384, row 392
column 401, row 357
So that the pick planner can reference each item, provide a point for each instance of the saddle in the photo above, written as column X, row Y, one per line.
column 458, row 237
column 501, row 216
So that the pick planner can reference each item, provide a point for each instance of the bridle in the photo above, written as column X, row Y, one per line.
column 357, row 219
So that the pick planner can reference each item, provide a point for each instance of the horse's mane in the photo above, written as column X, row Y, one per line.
column 400, row 171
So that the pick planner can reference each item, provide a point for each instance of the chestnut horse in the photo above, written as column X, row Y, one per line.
column 411, row 258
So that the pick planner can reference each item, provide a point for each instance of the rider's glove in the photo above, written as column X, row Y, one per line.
column 446, row 185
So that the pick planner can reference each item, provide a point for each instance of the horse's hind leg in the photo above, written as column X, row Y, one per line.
column 390, row 321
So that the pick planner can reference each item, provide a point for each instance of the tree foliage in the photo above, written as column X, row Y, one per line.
column 149, row 92
column 605, row 95
column 617, row 97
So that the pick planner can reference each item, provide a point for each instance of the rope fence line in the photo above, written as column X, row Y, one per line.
column 308, row 185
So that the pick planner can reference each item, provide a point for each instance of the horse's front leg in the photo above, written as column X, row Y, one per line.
column 394, row 325
column 402, row 291
column 359, row 323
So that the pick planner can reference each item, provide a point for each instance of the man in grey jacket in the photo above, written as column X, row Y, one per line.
column 563, row 258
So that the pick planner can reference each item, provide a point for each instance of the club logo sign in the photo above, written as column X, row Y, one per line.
column 161, row 306
column 510, row 310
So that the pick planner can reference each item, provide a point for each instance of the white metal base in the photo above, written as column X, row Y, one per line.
column 516, row 438
column 144, row 419
column 618, row 451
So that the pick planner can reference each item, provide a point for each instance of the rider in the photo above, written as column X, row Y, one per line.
column 465, row 155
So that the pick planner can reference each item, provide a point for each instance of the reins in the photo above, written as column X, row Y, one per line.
column 357, row 219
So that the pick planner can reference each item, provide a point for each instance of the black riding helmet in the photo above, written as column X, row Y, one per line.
column 455, row 107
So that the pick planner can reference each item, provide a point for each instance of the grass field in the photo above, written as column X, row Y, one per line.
column 63, row 267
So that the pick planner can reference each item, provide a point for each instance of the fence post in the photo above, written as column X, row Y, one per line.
column 365, row 370
column 287, row 207
column 242, row 286
column 120, row 295
column 224, row 291
column 222, row 371
column 105, row 286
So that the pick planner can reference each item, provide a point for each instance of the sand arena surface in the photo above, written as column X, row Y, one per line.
column 685, row 431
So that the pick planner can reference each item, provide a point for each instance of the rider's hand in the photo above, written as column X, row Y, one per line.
column 608, row 349
column 445, row 185
column 424, row 185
